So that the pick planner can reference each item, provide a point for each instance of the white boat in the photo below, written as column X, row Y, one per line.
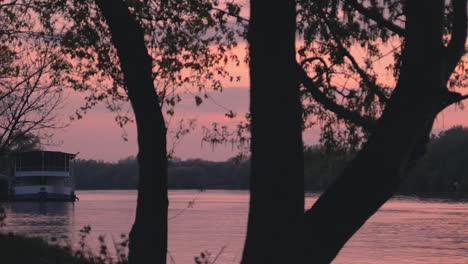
column 43, row 175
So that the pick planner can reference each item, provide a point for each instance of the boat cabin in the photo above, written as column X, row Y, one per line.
column 43, row 175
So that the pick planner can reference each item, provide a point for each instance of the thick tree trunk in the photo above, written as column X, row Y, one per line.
column 148, row 237
column 374, row 175
column 276, row 182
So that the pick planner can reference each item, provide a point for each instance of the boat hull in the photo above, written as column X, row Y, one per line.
column 39, row 197
column 46, row 193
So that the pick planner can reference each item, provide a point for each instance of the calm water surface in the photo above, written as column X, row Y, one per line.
column 405, row 230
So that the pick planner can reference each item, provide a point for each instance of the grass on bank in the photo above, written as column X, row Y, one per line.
column 17, row 249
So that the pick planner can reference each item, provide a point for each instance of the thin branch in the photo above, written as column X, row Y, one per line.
column 377, row 17
column 8, row 93
column 189, row 205
column 12, row 3
column 327, row 69
column 456, row 47
column 463, row 97
column 229, row 14
column 49, row 36
column 364, row 76
column 26, row 79
column 331, row 105
column 31, row 108
column 16, row 118
column 451, row 98
column 219, row 254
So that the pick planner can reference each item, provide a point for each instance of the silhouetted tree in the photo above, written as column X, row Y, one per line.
column 395, row 142
column 277, row 179
column 401, row 134
column 148, row 237
column 30, row 90
column 118, row 52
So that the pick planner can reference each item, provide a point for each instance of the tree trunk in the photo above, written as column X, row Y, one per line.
column 277, row 179
column 374, row 175
column 148, row 237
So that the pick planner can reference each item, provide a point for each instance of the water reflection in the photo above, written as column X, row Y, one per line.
column 42, row 208
column 50, row 220
column 406, row 230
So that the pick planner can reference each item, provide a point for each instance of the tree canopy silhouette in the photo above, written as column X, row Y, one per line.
column 141, row 52
column 396, row 122
column 30, row 90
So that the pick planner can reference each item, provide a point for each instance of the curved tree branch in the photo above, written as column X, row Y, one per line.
column 377, row 17
column 450, row 98
column 329, row 104
column 327, row 69
column 229, row 14
column 456, row 47
column 364, row 76
column 311, row 59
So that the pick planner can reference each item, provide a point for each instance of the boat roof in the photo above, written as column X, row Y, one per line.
column 72, row 155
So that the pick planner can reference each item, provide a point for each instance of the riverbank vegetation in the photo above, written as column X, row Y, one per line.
column 444, row 169
column 17, row 249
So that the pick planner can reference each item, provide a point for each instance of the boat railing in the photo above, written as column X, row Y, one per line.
column 45, row 168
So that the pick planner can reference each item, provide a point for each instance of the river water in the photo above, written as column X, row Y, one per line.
column 405, row 230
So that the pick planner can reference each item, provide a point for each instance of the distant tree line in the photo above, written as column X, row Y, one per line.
column 445, row 166
column 443, row 169
column 188, row 174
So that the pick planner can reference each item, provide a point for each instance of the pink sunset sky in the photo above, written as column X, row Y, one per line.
column 97, row 136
